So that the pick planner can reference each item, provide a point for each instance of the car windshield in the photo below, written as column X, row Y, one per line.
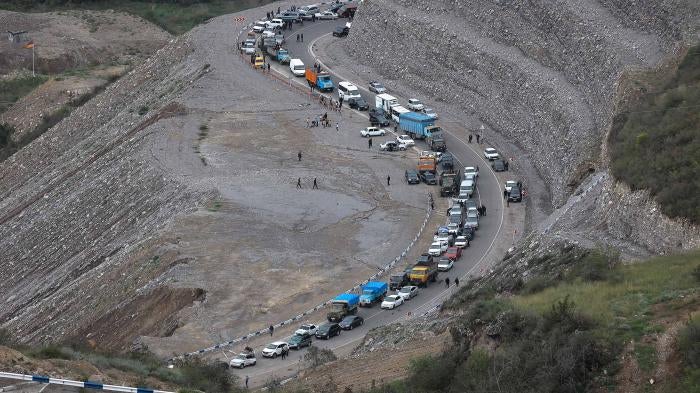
column 490, row 150
column 348, row 319
column 324, row 328
column 429, row 111
column 405, row 290
column 444, row 261
column 429, row 175
column 240, row 356
column 391, row 298
column 305, row 327
column 396, row 278
column 271, row 346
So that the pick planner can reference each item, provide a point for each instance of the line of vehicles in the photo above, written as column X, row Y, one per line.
column 415, row 121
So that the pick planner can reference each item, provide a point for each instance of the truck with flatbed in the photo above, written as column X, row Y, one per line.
column 343, row 305
column 373, row 292
column 320, row 80
column 278, row 53
column 449, row 183
column 425, row 270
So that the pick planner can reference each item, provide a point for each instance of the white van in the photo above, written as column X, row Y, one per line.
column 467, row 187
column 347, row 90
column 297, row 67
column 396, row 111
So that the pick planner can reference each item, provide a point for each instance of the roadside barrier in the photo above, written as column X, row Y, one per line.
column 78, row 384
column 381, row 271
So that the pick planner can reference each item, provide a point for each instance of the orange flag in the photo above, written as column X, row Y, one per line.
column 28, row 45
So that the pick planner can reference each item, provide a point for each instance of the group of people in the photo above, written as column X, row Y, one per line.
column 320, row 120
column 478, row 138
column 447, row 282
column 330, row 103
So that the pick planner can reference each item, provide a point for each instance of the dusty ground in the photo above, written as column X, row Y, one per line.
column 75, row 39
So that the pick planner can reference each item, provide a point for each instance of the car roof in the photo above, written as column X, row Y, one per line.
column 278, row 343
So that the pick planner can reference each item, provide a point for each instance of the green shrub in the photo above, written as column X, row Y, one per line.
column 689, row 344
column 53, row 351
column 656, row 145
column 315, row 356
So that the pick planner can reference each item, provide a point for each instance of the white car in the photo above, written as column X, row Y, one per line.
column 392, row 146
column 445, row 264
column 249, row 48
column 437, row 248
column 243, row 360
column 510, row 184
column 408, row 292
column 391, row 302
column 462, row 197
column 406, row 140
column 326, row 15
column 442, row 237
column 372, row 131
column 414, row 104
column 461, row 242
column 307, row 328
column 491, row 154
column 268, row 34
column 275, row 349
column 430, row 153
column 431, row 112
column 471, row 170
column 276, row 23
column 260, row 26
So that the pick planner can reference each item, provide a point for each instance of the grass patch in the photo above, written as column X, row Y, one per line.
column 655, row 146
column 176, row 17
column 12, row 90
column 624, row 304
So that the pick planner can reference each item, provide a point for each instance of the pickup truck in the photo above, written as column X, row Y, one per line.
column 373, row 292
column 343, row 305
column 320, row 80
column 423, row 271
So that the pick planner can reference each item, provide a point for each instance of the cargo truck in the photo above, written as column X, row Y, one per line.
column 373, row 292
column 421, row 126
column 449, row 183
column 343, row 305
column 423, row 271
column 427, row 164
column 385, row 102
column 278, row 53
column 320, row 80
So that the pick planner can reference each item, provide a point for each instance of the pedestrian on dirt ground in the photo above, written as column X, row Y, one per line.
column 299, row 155
column 369, row 143
column 456, row 281
column 520, row 185
column 340, row 101
column 337, row 127
column 297, row 37
column 508, row 199
column 483, row 207
column 246, row 382
column 302, row 37
column 388, row 180
column 315, row 185
column 432, row 205
column 506, row 164
column 470, row 138
column 272, row 328
column 268, row 15
column 447, row 282
column 477, row 138
column 278, row 10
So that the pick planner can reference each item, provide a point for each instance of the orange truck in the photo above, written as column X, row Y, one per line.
column 320, row 80
column 427, row 164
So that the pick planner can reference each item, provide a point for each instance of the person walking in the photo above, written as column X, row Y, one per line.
column 507, row 198
column 337, row 127
column 298, row 186
column 268, row 67
column 315, row 185
column 456, row 281
column 483, row 207
column 299, row 155
column 388, row 180
column 470, row 138
column 447, row 282
column 297, row 37
column 272, row 328
column 302, row 37
column 369, row 143
column 477, row 138
column 246, row 382
column 506, row 164
column 505, row 194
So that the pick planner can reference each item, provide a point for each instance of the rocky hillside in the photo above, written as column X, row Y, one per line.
column 542, row 75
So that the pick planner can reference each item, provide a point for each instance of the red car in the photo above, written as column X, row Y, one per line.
column 453, row 253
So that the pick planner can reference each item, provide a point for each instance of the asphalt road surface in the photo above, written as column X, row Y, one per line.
column 489, row 191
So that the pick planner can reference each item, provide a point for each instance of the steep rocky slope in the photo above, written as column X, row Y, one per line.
column 541, row 74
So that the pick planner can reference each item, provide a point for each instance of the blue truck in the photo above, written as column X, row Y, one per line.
column 373, row 292
column 343, row 305
column 421, row 126
column 278, row 53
